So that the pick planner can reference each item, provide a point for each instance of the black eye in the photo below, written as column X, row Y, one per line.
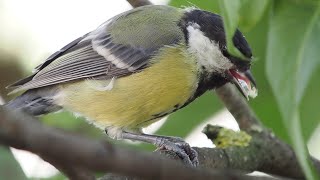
column 225, row 52
column 243, row 65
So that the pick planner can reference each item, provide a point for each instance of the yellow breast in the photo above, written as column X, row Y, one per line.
column 137, row 98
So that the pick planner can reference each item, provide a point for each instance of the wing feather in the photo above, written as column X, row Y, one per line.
column 123, row 56
column 98, row 55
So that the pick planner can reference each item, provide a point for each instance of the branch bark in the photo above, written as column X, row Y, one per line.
column 279, row 158
column 78, row 156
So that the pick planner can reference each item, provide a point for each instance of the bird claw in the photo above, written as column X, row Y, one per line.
column 175, row 144
column 181, row 148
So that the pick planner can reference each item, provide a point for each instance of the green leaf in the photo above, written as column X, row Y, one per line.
column 230, row 10
column 184, row 120
column 310, row 2
column 209, row 5
column 247, row 13
column 251, row 12
column 291, row 60
column 9, row 167
column 265, row 105
column 308, row 113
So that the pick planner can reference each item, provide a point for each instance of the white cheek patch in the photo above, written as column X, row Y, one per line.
column 207, row 52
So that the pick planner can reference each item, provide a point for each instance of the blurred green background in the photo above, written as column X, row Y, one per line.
column 17, row 45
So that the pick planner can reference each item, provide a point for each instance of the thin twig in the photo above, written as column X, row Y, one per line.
column 139, row 3
column 238, row 107
column 284, row 162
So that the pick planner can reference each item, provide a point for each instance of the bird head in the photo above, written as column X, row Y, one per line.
column 206, row 40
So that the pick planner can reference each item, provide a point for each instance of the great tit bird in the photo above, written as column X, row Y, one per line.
column 137, row 67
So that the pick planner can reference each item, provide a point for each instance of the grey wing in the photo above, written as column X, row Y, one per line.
column 98, row 55
column 95, row 55
column 122, row 56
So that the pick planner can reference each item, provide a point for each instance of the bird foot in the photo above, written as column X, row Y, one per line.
column 180, row 147
column 175, row 144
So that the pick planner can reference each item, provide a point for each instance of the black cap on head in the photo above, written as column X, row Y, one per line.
column 212, row 26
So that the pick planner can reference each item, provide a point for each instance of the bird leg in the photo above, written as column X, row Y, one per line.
column 175, row 144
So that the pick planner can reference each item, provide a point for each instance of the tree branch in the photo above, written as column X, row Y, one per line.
column 238, row 107
column 283, row 159
column 135, row 3
column 77, row 156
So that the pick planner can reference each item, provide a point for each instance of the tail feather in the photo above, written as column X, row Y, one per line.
column 34, row 102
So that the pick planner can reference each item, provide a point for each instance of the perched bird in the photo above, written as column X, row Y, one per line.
column 137, row 67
